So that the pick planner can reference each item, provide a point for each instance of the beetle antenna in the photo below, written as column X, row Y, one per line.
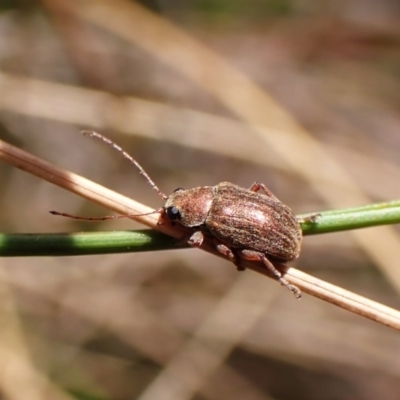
column 128, row 157
column 104, row 218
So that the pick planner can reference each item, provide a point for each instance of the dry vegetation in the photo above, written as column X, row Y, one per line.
column 303, row 99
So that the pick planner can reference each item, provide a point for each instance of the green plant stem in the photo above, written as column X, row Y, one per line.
column 88, row 243
column 353, row 218
column 68, row 244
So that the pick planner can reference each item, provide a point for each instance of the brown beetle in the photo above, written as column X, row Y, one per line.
column 251, row 224
column 245, row 223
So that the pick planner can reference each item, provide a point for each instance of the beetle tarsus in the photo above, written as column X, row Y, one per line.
column 294, row 289
column 312, row 218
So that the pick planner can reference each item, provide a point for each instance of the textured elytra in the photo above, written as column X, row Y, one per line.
column 244, row 219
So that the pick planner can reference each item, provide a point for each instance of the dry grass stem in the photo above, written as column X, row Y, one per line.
column 123, row 205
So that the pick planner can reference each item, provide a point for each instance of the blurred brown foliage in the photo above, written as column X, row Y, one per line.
column 181, row 324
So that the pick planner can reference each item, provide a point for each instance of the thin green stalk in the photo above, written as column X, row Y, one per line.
column 78, row 244
column 353, row 218
column 68, row 244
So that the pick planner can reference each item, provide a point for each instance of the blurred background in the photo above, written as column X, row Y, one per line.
column 301, row 95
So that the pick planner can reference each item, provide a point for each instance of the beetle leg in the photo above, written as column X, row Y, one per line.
column 196, row 239
column 256, row 255
column 312, row 218
column 257, row 186
column 227, row 252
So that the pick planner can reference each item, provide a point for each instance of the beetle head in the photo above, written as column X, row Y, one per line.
column 189, row 207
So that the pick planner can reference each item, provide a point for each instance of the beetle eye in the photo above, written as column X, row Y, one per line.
column 177, row 190
column 173, row 213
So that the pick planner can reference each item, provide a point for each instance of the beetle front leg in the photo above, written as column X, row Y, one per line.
column 197, row 239
column 257, row 186
column 257, row 256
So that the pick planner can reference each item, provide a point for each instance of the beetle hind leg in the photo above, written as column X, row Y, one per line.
column 257, row 256
column 257, row 186
column 227, row 252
